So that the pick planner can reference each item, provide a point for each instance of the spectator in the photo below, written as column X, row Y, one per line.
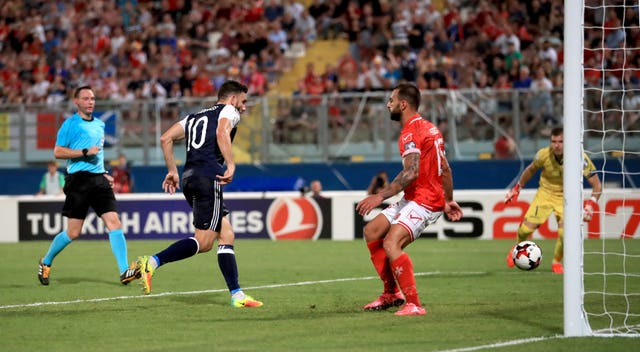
column 255, row 80
column 273, row 10
column 316, row 190
column 122, row 177
column 39, row 91
column 277, row 36
column 305, row 28
column 508, row 41
column 203, row 86
column 370, row 78
column 321, row 13
column 316, row 87
column 512, row 56
column 524, row 79
column 52, row 181
column 548, row 52
column 57, row 91
column 299, row 126
column 378, row 182
column 505, row 146
column 540, row 105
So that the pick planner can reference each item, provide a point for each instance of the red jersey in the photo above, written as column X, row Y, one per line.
column 421, row 136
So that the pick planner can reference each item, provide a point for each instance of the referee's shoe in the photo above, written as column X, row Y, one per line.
column 132, row 273
column 43, row 272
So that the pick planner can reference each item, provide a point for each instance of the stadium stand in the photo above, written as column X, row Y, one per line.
column 466, row 56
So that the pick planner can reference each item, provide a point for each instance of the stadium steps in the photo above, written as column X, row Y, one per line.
column 320, row 52
column 439, row 5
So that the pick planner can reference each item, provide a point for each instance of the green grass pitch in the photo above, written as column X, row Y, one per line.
column 313, row 294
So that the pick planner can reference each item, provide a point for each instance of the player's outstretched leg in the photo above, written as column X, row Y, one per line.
column 147, row 269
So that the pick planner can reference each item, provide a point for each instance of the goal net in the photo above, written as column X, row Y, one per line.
column 602, row 119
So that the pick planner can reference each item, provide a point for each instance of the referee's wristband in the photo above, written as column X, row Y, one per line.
column 84, row 152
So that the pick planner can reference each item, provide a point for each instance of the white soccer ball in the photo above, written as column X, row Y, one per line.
column 527, row 255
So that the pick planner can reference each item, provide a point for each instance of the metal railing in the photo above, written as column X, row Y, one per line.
column 328, row 128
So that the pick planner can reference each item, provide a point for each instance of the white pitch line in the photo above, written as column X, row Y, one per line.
column 505, row 343
column 163, row 294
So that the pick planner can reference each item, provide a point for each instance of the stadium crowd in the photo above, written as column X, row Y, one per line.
column 136, row 49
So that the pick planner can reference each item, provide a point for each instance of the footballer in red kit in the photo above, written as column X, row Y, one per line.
column 427, row 183
column 422, row 137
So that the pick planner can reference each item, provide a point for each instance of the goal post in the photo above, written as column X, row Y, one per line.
column 575, row 323
column 601, row 115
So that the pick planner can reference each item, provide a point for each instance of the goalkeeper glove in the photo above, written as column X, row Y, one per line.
column 513, row 194
column 589, row 205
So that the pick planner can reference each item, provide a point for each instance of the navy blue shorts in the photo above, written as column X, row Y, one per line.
column 204, row 195
column 84, row 190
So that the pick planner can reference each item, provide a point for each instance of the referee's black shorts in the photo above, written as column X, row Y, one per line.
column 84, row 190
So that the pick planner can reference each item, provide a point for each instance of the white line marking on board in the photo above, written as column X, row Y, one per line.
column 163, row 294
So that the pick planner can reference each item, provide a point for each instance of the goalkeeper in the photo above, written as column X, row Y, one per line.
column 548, row 198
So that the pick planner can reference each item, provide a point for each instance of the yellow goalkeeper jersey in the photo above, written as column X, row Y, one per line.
column 551, row 176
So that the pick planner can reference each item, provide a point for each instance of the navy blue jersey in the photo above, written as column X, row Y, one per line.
column 203, row 154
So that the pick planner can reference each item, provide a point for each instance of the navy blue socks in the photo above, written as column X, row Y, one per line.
column 178, row 250
column 228, row 266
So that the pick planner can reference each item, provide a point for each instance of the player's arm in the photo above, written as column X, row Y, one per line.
column 409, row 172
column 596, row 186
column 451, row 207
column 596, row 191
column 223, row 134
column 527, row 174
column 447, row 181
column 174, row 133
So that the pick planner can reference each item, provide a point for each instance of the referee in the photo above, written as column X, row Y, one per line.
column 80, row 141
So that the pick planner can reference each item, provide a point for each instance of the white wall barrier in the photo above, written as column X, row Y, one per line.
column 287, row 215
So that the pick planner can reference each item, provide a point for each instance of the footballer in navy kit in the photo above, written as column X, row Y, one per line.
column 208, row 135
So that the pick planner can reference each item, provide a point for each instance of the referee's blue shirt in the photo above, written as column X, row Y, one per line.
column 77, row 133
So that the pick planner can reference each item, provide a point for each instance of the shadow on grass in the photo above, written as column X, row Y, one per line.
column 518, row 316
column 70, row 280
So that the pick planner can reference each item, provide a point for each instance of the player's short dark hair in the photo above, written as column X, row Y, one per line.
column 76, row 93
column 410, row 93
column 557, row 131
column 230, row 88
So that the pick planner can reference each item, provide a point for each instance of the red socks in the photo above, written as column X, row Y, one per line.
column 381, row 263
column 403, row 272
